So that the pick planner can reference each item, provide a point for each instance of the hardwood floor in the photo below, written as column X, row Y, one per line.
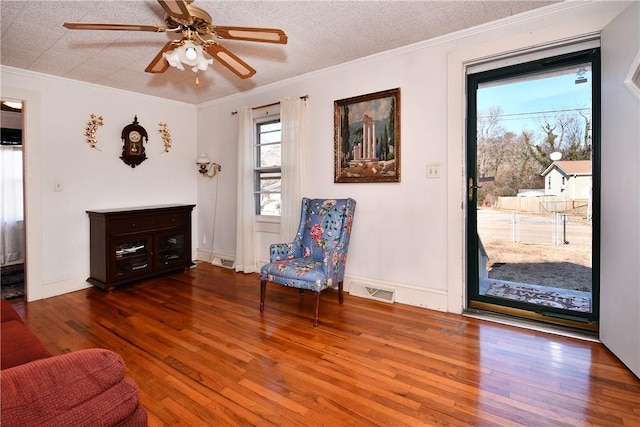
column 203, row 354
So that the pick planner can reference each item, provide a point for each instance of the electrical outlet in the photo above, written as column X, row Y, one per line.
column 433, row 171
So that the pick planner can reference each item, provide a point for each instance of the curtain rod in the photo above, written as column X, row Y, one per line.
column 304, row 97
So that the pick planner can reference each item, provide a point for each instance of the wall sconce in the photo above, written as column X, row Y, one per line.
column 206, row 166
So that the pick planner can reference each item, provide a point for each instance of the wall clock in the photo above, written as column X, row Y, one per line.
column 134, row 136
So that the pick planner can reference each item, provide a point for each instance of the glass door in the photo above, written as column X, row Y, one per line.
column 533, row 189
column 170, row 249
column 132, row 257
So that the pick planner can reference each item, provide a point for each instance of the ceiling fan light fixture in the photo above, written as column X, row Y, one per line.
column 190, row 54
column 198, row 34
column 173, row 58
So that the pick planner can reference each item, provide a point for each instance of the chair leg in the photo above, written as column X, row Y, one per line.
column 340, row 294
column 263, row 288
column 317, row 310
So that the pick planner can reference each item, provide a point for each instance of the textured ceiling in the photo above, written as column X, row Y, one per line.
column 321, row 34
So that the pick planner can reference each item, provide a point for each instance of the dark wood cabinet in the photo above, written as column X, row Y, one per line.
column 138, row 243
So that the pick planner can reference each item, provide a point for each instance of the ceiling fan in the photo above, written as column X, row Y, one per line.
column 197, row 34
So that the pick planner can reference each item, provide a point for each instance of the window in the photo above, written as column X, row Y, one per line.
column 267, row 174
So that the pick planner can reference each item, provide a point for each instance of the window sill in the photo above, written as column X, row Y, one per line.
column 268, row 218
column 268, row 224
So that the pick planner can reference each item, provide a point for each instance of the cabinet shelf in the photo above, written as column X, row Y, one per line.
column 134, row 244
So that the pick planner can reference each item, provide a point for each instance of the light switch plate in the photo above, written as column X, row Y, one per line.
column 433, row 171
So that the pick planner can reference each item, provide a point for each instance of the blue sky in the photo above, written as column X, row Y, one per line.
column 523, row 101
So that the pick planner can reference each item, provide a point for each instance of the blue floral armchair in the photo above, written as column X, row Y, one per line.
column 316, row 258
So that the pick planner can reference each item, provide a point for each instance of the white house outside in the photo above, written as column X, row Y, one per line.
column 567, row 188
column 569, row 178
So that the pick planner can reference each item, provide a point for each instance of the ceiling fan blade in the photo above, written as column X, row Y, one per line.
column 159, row 64
column 230, row 60
column 117, row 27
column 266, row 35
column 176, row 9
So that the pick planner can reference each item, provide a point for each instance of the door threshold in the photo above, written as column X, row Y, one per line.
column 566, row 331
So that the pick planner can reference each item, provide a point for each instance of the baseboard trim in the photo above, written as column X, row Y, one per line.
column 60, row 287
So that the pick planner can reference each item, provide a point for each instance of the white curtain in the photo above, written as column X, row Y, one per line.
column 11, row 207
column 293, row 118
column 245, row 229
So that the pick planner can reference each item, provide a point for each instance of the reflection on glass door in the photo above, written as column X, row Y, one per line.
column 533, row 190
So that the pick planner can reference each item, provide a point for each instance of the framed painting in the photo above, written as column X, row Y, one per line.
column 367, row 138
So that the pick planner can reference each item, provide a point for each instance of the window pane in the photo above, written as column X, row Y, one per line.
column 269, row 127
column 270, row 185
column 270, row 155
column 270, row 204
column 271, row 137
column 267, row 175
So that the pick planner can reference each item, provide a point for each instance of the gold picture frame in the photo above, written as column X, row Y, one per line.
column 367, row 138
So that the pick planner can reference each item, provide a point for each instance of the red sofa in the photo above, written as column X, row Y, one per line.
column 82, row 388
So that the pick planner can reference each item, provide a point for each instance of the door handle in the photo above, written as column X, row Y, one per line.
column 471, row 188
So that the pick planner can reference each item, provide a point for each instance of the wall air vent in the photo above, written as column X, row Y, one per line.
column 374, row 292
column 222, row 262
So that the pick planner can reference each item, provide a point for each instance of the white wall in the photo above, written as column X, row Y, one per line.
column 394, row 222
column 56, row 113
column 620, row 267
column 407, row 235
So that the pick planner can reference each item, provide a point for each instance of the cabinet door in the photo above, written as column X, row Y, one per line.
column 171, row 250
column 130, row 257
